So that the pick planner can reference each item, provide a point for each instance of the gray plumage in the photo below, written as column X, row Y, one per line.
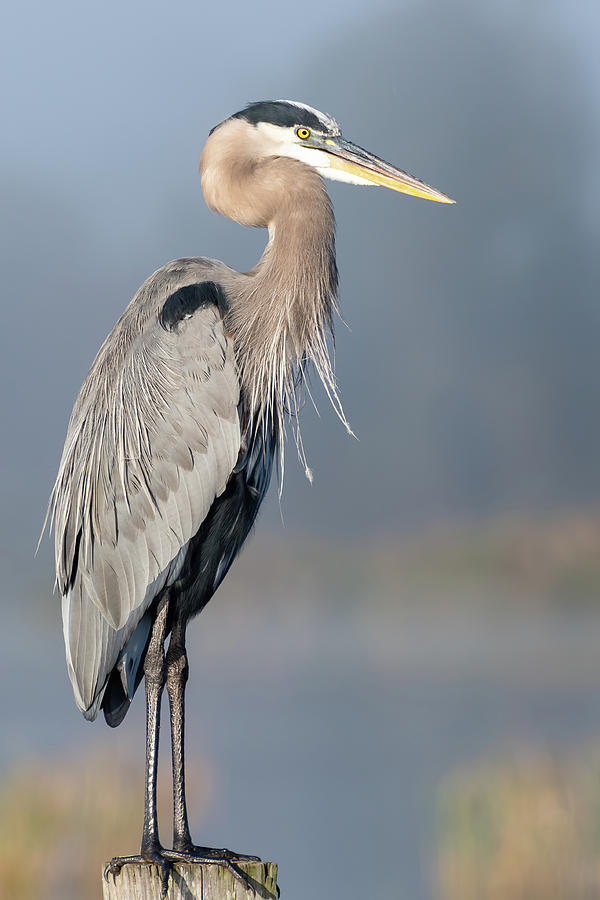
column 152, row 440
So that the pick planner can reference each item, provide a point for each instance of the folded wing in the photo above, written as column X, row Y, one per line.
column 153, row 439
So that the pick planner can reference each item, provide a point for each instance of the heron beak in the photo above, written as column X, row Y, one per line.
column 353, row 159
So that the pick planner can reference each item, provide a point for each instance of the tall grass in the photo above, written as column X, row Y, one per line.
column 61, row 820
column 525, row 828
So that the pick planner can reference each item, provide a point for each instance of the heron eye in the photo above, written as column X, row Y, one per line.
column 303, row 133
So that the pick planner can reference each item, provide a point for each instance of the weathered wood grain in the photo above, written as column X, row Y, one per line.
column 193, row 882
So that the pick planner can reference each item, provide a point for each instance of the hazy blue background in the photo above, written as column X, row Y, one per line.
column 469, row 372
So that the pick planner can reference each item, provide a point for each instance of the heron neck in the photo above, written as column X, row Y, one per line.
column 283, row 310
column 299, row 259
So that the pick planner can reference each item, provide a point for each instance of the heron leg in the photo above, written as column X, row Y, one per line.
column 177, row 675
column 154, row 674
column 171, row 670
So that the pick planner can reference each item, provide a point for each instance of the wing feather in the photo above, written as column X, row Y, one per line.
column 153, row 439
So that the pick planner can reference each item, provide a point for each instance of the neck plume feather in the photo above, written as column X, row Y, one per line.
column 281, row 313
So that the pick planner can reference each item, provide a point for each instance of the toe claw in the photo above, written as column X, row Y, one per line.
column 110, row 869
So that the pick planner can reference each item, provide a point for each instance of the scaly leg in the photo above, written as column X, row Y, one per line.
column 177, row 675
column 173, row 671
column 154, row 674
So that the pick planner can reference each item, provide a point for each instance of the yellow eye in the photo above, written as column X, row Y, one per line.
column 303, row 133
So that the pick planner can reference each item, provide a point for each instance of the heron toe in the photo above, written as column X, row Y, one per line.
column 151, row 858
column 209, row 856
column 214, row 853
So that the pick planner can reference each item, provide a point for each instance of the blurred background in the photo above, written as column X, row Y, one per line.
column 396, row 692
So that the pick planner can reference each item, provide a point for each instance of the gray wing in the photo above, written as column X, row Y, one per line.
column 153, row 439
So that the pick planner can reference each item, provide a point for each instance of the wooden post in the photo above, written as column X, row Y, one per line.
column 193, row 882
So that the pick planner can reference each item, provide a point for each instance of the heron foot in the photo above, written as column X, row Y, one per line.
column 147, row 858
column 192, row 853
column 207, row 855
column 189, row 849
column 164, row 859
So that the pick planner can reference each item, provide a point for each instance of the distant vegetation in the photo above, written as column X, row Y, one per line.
column 61, row 820
column 534, row 561
column 522, row 828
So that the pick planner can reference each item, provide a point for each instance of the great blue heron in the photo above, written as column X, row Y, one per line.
column 171, row 441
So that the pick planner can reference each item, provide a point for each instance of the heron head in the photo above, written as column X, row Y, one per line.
column 286, row 128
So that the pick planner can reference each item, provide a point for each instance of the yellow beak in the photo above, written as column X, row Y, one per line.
column 353, row 159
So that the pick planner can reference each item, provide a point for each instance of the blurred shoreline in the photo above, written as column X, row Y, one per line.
column 354, row 676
